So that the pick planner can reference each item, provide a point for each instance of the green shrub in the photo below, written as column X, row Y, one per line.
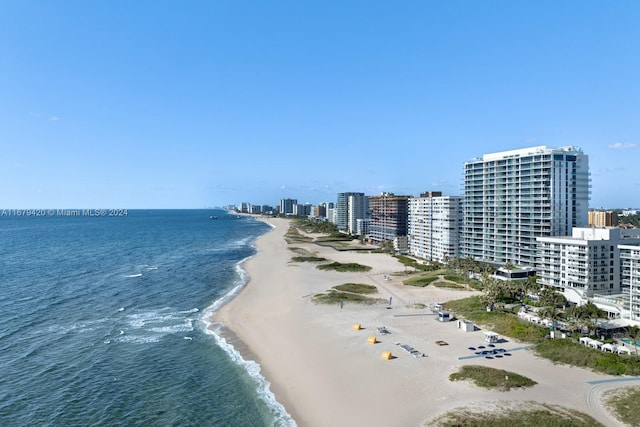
column 307, row 259
column 624, row 402
column 449, row 285
column 455, row 278
column 487, row 377
column 358, row 288
column 572, row 353
column 503, row 322
column 421, row 281
column 346, row 267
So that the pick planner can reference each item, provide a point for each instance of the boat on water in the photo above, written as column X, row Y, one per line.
column 213, row 217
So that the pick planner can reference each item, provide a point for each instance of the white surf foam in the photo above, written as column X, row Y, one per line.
column 148, row 326
column 282, row 417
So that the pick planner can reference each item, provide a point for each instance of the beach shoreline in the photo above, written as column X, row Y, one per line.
column 325, row 373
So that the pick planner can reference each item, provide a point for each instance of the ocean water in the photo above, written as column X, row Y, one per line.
column 104, row 321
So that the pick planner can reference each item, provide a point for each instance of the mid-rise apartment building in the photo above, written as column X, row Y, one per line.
column 585, row 263
column 598, row 218
column 513, row 197
column 434, row 226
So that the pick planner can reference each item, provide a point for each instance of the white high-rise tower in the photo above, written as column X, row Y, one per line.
column 512, row 197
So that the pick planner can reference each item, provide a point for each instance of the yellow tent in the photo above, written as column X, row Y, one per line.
column 371, row 340
column 386, row 355
column 356, row 326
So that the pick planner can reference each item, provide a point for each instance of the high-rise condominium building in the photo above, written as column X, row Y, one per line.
column 358, row 210
column 342, row 210
column 434, row 226
column 513, row 197
column 389, row 216
column 287, row 206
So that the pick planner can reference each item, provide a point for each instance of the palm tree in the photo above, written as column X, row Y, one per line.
column 593, row 313
column 549, row 297
column 633, row 333
column 576, row 318
column 551, row 312
column 531, row 285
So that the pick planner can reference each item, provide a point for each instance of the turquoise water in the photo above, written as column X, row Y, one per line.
column 103, row 322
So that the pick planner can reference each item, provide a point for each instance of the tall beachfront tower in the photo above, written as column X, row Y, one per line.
column 389, row 217
column 344, row 213
column 512, row 197
column 358, row 210
column 434, row 226
column 287, row 206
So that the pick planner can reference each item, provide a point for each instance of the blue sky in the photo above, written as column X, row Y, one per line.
column 167, row 104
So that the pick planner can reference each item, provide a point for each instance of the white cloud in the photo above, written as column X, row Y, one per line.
column 622, row 145
column 54, row 118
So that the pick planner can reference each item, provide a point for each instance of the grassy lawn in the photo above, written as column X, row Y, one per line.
column 410, row 262
column 455, row 278
column 335, row 237
column 504, row 323
column 564, row 351
column 572, row 353
column 623, row 402
column 339, row 245
column 492, row 378
column 294, row 236
column 358, row 288
column 349, row 292
column 425, row 279
column 421, row 281
column 308, row 259
column 344, row 267
column 534, row 414
column 449, row 285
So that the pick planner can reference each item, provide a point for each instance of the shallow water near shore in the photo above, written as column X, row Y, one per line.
column 104, row 321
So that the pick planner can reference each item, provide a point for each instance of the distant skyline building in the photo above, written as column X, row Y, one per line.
column 513, row 197
column 243, row 207
column 599, row 218
column 358, row 210
column 342, row 210
column 287, row 206
column 302, row 210
column 434, row 226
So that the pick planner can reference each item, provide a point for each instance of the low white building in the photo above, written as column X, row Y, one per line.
column 585, row 264
column 630, row 276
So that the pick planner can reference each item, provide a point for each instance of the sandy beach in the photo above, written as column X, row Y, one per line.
column 326, row 374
